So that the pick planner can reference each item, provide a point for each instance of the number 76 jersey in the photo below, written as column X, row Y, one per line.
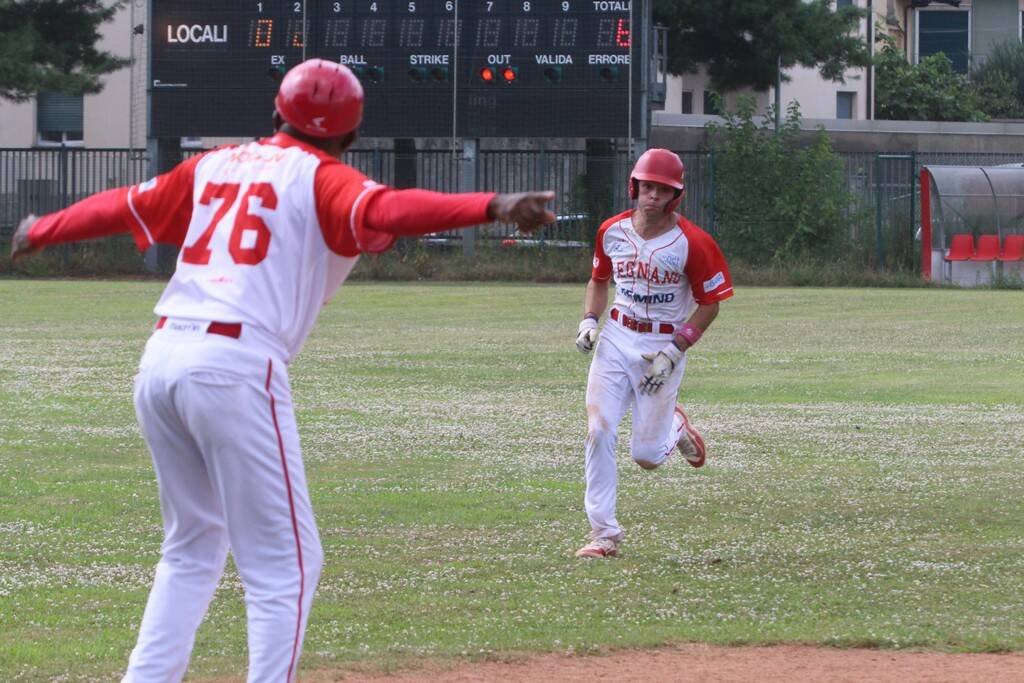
column 273, row 229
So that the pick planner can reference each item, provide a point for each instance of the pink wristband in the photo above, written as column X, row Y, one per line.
column 691, row 333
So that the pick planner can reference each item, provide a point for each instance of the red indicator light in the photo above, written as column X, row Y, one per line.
column 509, row 74
column 622, row 33
column 487, row 74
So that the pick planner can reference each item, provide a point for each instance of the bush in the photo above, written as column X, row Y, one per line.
column 928, row 91
column 1000, row 82
column 776, row 201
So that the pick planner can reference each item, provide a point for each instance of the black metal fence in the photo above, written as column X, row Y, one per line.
column 884, row 186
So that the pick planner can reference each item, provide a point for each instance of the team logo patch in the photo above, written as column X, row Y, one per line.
column 148, row 185
column 673, row 262
column 714, row 282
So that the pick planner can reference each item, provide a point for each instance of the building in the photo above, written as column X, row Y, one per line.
column 966, row 31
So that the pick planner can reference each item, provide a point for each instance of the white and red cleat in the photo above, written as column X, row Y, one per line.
column 602, row 547
column 690, row 444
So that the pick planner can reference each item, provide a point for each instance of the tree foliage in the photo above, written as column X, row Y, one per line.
column 1000, row 82
column 740, row 41
column 928, row 91
column 50, row 45
column 776, row 200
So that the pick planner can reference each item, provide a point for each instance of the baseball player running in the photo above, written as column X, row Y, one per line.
column 268, row 232
column 669, row 279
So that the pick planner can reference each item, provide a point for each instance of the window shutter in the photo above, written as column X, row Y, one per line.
column 59, row 113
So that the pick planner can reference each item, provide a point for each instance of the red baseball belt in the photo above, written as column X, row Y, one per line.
column 233, row 330
column 641, row 326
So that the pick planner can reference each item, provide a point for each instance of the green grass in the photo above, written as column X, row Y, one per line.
column 864, row 483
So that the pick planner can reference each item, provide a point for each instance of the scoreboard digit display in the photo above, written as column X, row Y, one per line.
column 488, row 68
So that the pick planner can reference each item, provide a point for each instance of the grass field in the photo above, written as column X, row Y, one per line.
column 864, row 485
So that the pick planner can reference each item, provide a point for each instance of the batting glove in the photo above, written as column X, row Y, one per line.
column 586, row 337
column 661, row 366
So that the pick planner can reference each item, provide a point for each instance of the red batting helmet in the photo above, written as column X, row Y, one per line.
column 659, row 166
column 320, row 98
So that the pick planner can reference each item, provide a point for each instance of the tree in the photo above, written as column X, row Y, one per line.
column 1000, row 82
column 741, row 41
column 50, row 45
column 928, row 91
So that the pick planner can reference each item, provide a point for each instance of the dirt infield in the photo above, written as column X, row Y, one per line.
column 694, row 662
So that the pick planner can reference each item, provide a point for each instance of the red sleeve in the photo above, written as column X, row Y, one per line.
column 602, row 270
column 706, row 268
column 158, row 210
column 341, row 193
column 359, row 216
column 410, row 213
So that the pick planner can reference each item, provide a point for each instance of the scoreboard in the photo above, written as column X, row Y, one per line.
column 430, row 68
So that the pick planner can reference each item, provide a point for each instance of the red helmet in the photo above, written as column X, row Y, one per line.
column 659, row 166
column 320, row 98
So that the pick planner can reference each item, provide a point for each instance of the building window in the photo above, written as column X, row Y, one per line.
column 58, row 119
column 711, row 104
column 686, row 106
column 845, row 104
column 948, row 32
column 844, row 3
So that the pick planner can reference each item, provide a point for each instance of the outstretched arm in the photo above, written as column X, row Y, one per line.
column 410, row 213
column 100, row 215
column 157, row 210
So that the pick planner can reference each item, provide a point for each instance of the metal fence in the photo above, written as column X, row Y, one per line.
column 44, row 180
column 884, row 187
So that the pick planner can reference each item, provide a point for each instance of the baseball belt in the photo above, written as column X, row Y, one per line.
column 640, row 326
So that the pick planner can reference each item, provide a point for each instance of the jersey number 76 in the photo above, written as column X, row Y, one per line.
column 199, row 252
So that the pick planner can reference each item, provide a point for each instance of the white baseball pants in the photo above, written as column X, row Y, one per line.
column 217, row 416
column 615, row 374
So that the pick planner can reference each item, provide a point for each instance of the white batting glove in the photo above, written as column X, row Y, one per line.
column 661, row 366
column 586, row 337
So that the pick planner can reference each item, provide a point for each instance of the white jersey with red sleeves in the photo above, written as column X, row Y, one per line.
column 664, row 278
column 256, row 251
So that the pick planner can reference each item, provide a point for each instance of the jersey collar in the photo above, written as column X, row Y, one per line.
column 284, row 141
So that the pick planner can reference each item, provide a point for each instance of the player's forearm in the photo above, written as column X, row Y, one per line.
column 97, row 216
column 596, row 299
column 410, row 213
column 690, row 332
column 704, row 316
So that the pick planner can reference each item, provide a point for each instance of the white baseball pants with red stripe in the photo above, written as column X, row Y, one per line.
column 217, row 416
column 615, row 374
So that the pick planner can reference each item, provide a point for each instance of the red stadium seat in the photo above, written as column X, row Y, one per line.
column 1013, row 248
column 988, row 248
column 961, row 248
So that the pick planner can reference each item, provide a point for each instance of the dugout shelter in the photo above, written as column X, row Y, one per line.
column 972, row 223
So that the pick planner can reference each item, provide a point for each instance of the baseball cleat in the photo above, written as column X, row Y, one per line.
column 602, row 547
column 690, row 444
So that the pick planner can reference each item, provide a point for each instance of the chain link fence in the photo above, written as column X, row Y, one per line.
column 588, row 189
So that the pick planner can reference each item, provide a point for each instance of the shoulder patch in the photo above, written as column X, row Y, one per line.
column 713, row 282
